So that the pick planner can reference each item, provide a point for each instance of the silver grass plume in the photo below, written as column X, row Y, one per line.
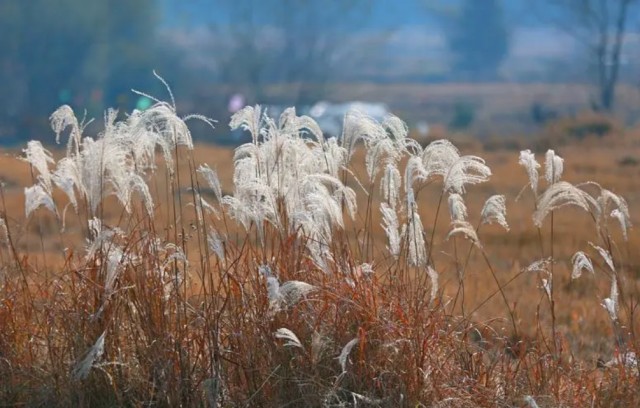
column 348, row 197
column 466, row 170
column 399, row 133
column 68, row 177
column 391, row 228
column 433, row 276
column 63, row 118
column 202, row 204
column 541, row 265
column 306, row 122
column 581, row 262
column 558, row 195
column 248, row 118
column 287, row 294
column 439, row 156
column 414, row 171
column 291, row 340
column 606, row 256
column 39, row 158
column 457, row 208
column 553, row 165
column 170, row 129
column 465, row 229
column 531, row 402
column 37, row 196
column 616, row 206
column 83, row 367
column 291, row 292
column 611, row 303
column 531, row 166
column 100, row 236
column 415, row 233
column 547, row 286
column 378, row 151
column 344, row 354
column 390, row 184
column 495, row 210
column 211, row 177
column 623, row 220
column 358, row 126
column 115, row 260
column 397, row 129
column 273, row 292
column 216, row 244
column 332, row 155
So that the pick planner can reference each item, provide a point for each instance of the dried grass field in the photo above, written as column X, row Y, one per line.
column 366, row 271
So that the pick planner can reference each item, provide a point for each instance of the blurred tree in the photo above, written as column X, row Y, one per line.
column 478, row 38
column 292, row 42
column 128, row 38
column 67, row 51
column 600, row 25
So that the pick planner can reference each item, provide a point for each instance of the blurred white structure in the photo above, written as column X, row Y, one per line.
column 330, row 116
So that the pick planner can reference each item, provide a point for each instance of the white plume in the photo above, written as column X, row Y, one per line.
column 495, row 210
column 291, row 340
column 581, row 262
column 83, row 367
column 558, row 195
column 344, row 354
column 554, row 165
column 531, row 166
column 391, row 228
column 37, row 196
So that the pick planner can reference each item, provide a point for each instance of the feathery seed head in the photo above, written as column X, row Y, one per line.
column 457, row 208
column 531, row 166
column 581, row 262
column 495, row 210
column 554, row 165
column 558, row 195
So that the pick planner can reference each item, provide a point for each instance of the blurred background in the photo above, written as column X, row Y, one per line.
column 489, row 68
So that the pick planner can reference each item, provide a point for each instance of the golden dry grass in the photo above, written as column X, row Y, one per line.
column 582, row 321
column 584, row 328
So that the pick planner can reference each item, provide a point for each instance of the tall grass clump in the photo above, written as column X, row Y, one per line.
column 311, row 280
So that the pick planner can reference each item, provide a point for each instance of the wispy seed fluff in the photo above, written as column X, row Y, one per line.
column 581, row 262
column 439, row 156
column 83, row 367
column 390, row 184
column 606, row 256
column 415, row 233
column 531, row 166
column 616, row 206
column 36, row 196
column 611, row 303
column 391, row 228
column 558, row 195
column 291, row 340
column 457, row 208
column 433, row 276
column 495, row 210
column 344, row 354
column 465, row 229
column 466, row 170
column 39, row 158
column 554, row 166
